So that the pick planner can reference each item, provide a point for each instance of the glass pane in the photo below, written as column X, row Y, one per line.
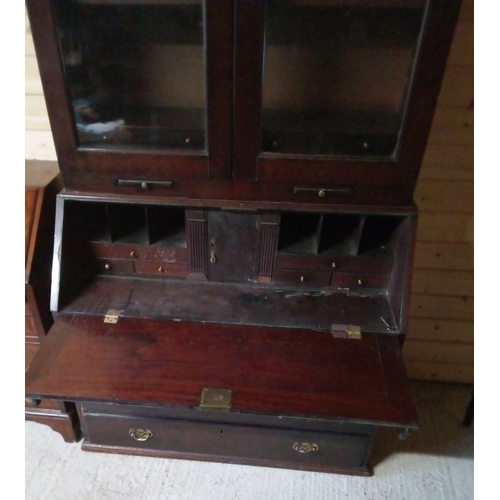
column 136, row 72
column 337, row 75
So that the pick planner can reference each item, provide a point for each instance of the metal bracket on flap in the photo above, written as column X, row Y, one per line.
column 112, row 316
column 346, row 331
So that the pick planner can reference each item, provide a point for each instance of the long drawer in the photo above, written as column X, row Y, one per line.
column 230, row 443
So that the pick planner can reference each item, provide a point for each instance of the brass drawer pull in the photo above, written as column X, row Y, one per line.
column 140, row 434
column 322, row 192
column 144, row 184
column 305, row 447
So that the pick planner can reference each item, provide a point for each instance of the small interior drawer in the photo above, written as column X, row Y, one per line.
column 225, row 442
column 115, row 266
column 359, row 280
column 302, row 277
column 160, row 268
column 138, row 252
column 305, row 262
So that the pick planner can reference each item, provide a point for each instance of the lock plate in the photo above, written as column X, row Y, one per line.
column 216, row 399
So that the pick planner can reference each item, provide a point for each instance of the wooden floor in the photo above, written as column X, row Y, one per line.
column 435, row 463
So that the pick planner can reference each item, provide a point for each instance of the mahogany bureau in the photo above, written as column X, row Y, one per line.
column 233, row 245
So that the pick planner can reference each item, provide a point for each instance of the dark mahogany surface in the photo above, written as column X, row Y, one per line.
column 232, row 303
column 269, row 370
column 234, row 167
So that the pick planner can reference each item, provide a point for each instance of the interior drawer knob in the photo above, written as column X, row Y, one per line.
column 140, row 434
column 305, row 447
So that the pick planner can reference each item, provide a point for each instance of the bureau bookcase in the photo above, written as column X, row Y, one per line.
column 233, row 244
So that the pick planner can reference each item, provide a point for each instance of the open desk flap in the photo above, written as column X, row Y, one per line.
column 283, row 371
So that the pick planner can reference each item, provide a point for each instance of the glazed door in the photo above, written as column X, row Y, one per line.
column 138, row 90
column 337, row 97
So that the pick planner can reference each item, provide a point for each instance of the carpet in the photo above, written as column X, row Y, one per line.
column 434, row 463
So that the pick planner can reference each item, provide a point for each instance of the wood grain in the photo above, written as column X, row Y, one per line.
column 444, row 194
column 294, row 372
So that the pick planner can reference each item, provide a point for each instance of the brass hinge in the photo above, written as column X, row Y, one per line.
column 216, row 399
column 112, row 316
column 346, row 331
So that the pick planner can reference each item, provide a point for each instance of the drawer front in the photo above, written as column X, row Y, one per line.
column 359, row 280
column 160, row 268
column 306, row 278
column 115, row 266
column 305, row 262
column 29, row 353
column 348, row 264
column 30, row 328
column 231, row 443
column 138, row 252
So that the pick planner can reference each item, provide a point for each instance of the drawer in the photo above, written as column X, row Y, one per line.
column 359, row 280
column 160, row 268
column 115, row 266
column 133, row 252
column 304, row 262
column 306, row 278
column 229, row 443
column 380, row 263
column 29, row 353
column 30, row 327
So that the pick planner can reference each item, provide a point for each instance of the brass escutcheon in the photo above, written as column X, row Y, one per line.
column 140, row 434
column 305, row 447
column 212, row 258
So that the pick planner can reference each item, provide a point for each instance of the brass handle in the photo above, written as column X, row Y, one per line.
column 322, row 192
column 140, row 434
column 144, row 184
column 305, row 447
column 212, row 258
